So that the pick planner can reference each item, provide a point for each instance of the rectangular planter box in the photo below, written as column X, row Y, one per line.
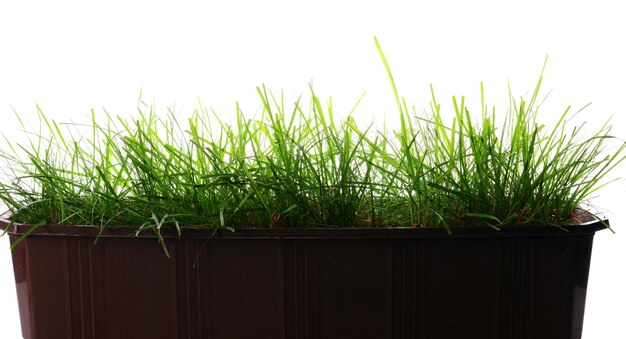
column 521, row 282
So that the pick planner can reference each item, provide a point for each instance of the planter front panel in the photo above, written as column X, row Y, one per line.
column 309, row 287
column 350, row 289
column 231, row 289
column 461, row 289
column 131, row 278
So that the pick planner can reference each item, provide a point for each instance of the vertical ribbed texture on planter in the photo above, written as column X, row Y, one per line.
column 525, row 282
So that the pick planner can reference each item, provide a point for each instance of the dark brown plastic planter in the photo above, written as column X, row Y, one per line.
column 521, row 282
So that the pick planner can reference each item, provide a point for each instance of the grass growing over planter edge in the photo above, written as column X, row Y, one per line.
column 296, row 165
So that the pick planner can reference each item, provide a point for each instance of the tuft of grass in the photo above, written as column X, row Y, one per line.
column 297, row 165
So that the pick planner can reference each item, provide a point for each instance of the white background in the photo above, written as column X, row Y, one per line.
column 70, row 57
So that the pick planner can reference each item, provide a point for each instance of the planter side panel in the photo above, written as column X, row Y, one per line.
column 42, row 282
column 544, row 287
column 121, row 288
column 559, row 287
column 498, row 288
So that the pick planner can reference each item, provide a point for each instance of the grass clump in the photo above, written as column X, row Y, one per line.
column 297, row 165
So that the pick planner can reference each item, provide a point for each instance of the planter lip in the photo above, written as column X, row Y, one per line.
column 19, row 229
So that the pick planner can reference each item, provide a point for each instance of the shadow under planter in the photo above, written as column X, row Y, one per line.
column 521, row 282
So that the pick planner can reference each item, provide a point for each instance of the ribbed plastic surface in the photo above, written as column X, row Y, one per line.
column 478, row 283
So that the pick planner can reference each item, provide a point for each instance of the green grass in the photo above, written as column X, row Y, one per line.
column 297, row 166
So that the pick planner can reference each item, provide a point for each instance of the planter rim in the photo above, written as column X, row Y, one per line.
column 19, row 229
